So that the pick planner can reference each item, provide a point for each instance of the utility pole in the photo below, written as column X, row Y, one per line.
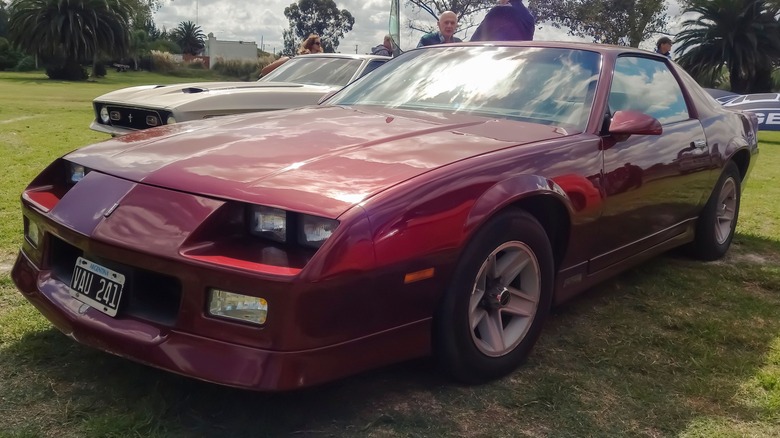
column 356, row 47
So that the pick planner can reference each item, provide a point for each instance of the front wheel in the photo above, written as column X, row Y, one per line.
column 718, row 220
column 500, row 295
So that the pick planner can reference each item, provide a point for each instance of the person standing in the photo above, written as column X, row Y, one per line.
column 509, row 21
column 312, row 44
column 448, row 24
column 384, row 49
column 664, row 47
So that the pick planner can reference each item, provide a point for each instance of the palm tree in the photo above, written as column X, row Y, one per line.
column 70, row 29
column 742, row 35
column 189, row 37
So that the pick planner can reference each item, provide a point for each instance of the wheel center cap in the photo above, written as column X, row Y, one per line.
column 497, row 297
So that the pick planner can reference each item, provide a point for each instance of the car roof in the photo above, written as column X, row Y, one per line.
column 344, row 55
column 593, row 47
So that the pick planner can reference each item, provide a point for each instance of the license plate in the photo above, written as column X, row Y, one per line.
column 97, row 286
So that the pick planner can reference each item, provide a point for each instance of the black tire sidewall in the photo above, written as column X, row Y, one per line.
column 706, row 246
column 453, row 343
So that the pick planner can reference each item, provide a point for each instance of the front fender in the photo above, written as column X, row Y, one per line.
column 515, row 189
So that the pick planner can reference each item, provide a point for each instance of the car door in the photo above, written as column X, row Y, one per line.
column 653, row 184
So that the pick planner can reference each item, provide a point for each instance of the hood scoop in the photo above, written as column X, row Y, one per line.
column 193, row 90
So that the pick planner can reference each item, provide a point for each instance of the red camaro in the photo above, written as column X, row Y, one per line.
column 439, row 205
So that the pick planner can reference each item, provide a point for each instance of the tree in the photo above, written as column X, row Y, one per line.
column 623, row 22
column 464, row 9
column 742, row 35
column 143, row 11
column 322, row 17
column 189, row 37
column 3, row 19
column 70, row 30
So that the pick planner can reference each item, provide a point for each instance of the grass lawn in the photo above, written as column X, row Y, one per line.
column 675, row 347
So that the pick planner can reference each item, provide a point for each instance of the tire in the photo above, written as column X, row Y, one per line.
column 506, row 311
column 718, row 220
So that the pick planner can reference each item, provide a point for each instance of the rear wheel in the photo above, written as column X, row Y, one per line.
column 718, row 220
column 500, row 296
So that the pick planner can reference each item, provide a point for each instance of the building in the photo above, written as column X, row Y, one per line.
column 244, row 51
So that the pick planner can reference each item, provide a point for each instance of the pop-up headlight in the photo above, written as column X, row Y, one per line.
column 289, row 227
column 314, row 230
column 76, row 173
column 268, row 222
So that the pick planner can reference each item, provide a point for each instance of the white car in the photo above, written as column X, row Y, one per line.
column 302, row 80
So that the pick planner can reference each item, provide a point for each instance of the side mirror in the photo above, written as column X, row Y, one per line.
column 327, row 96
column 627, row 123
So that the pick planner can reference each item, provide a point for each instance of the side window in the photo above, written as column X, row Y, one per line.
column 372, row 65
column 648, row 86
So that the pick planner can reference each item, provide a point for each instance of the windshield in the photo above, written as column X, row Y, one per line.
column 541, row 85
column 314, row 70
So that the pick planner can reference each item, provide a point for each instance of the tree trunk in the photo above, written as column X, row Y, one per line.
column 738, row 84
column 94, row 65
column 762, row 83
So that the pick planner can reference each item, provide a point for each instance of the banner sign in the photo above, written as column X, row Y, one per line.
column 765, row 105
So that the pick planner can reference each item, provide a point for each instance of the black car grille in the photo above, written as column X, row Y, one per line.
column 146, row 295
column 134, row 118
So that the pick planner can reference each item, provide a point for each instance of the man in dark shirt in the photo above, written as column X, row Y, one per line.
column 664, row 47
column 448, row 24
column 510, row 21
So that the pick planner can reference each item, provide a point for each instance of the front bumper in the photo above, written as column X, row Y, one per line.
column 108, row 129
column 213, row 360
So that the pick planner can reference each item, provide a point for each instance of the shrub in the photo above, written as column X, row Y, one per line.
column 243, row 70
column 68, row 72
column 100, row 70
column 165, row 46
column 164, row 62
column 26, row 64
column 8, row 56
column 196, row 64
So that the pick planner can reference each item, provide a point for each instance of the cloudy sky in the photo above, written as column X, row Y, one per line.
column 264, row 21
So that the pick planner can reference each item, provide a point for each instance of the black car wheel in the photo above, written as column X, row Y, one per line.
column 718, row 220
column 501, row 293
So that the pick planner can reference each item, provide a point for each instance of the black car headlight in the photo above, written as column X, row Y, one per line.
column 289, row 227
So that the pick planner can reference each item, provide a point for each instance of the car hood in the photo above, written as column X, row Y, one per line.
column 172, row 96
column 316, row 160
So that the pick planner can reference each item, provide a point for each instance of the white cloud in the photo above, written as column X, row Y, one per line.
column 235, row 20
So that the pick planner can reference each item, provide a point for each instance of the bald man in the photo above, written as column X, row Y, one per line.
column 448, row 24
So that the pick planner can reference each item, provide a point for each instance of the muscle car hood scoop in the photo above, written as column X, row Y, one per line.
column 318, row 160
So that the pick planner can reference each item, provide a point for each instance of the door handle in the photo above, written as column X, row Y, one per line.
column 699, row 144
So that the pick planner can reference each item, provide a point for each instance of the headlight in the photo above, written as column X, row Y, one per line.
column 274, row 223
column 315, row 230
column 268, row 222
column 104, row 116
column 237, row 306
column 170, row 120
column 76, row 173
